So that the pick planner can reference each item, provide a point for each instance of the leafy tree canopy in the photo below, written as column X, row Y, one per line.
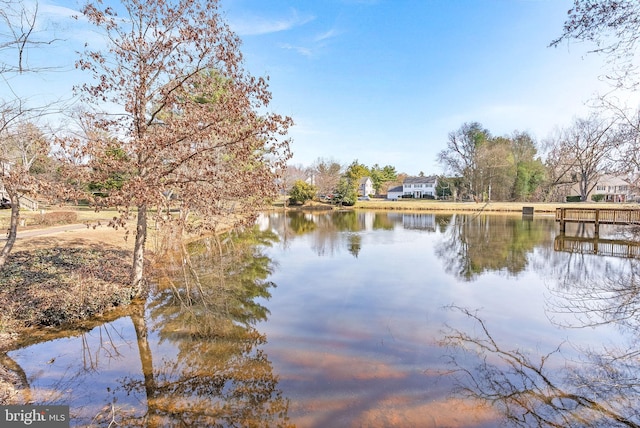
column 301, row 192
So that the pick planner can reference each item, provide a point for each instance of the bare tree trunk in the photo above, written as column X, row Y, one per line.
column 13, row 228
column 137, row 274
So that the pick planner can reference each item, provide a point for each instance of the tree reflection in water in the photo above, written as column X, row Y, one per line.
column 598, row 387
column 599, row 390
column 473, row 244
column 610, row 294
column 206, row 308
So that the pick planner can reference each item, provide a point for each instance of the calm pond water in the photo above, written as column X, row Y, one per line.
column 372, row 319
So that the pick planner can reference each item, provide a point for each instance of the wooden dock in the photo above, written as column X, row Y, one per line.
column 601, row 247
column 597, row 216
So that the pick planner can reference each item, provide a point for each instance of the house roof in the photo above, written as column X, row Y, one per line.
column 395, row 189
column 363, row 180
column 612, row 180
column 420, row 180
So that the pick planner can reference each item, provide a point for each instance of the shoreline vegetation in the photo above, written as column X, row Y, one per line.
column 70, row 269
column 448, row 206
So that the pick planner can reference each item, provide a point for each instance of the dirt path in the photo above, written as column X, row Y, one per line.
column 29, row 233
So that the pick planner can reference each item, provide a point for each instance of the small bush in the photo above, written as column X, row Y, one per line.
column 597, row 198
column 301, row 192
column 573, row 198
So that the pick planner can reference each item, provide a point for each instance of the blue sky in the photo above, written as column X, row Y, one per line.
column 385, row 81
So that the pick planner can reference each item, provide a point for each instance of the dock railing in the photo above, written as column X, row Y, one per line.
column 601, row 247
column 597, row 216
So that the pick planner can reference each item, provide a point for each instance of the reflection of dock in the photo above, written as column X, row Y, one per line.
column 597, row 216
column 601, row 247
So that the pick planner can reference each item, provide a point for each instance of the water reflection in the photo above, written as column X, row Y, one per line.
column 199, row 353
column 328, row 228
column 601, row 247
column 572, row 383
column 205, row 309
column 574, row 380
column 610, row 295
column 600, row 390
column 468, row 245
column 475, row 244
column 353, row 333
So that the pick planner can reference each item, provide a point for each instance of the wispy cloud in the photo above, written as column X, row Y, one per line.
column 308, row 52
column 313, row 45
column 326, row 35
column 53, row 11
column 257, row 25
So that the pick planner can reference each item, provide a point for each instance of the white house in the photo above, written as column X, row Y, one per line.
column 415, row 187
column 365, row 186
column 615, row 189
column 420, row 187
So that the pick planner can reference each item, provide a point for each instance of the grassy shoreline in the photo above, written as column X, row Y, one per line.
column 440, row 206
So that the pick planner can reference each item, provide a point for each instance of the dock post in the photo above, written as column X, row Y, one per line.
column 597, row 222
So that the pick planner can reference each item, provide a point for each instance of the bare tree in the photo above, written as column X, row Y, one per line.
column 18, row 25
column 613, row 27
column 21, row 146
column 187, row 119
column 584, row 151
column 628, row 162
column 326, row 174
column 460, row 158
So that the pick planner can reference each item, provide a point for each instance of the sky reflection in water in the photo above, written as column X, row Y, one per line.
column 356, row 318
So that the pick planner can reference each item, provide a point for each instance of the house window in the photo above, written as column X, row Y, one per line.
column 601, row 188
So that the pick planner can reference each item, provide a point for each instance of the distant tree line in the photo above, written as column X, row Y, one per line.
column 483, row 167
column 492, row 168
column 329, row 180
column 512, row 168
